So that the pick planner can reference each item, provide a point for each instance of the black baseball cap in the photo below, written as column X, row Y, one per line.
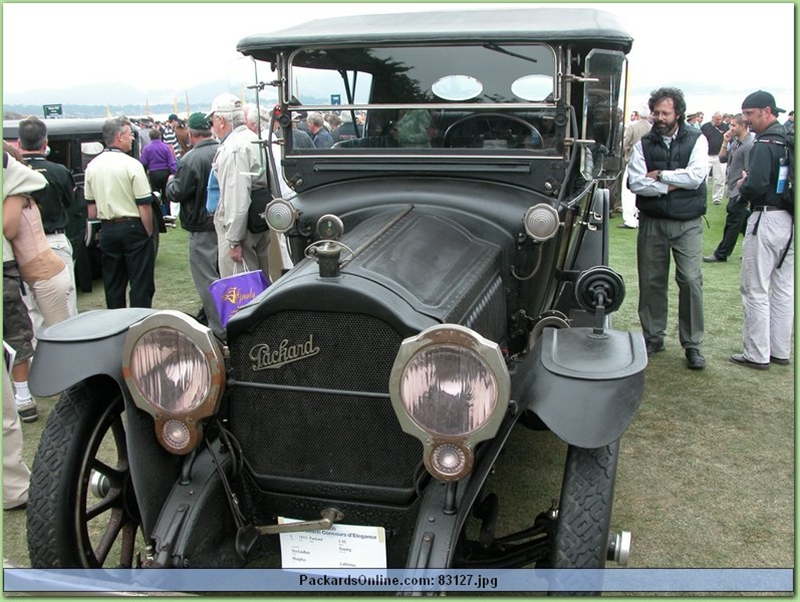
column 761, row 100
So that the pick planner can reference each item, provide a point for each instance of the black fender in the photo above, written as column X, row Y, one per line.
column 88, row 347
column 195, row 527
column 585, row 387
column 89, row 344
column 438, row 527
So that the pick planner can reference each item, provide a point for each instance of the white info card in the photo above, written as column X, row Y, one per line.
column 340, row 547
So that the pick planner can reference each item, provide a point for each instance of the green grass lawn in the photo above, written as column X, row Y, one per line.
column 706, row 473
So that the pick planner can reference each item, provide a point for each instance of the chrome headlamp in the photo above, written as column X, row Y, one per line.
column 280, row 215
column 175, row 372
column 542, row 222
column 450, row 389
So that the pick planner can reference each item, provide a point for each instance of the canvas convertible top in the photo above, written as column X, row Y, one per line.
column 59, row 127
column 554, row 25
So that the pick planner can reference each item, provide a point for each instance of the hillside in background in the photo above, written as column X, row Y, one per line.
column 118, row 99
column 88, row 111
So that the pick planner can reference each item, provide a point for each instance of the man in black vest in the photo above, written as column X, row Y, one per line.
column 667, row 172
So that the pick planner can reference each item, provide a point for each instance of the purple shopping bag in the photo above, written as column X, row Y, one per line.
column 234, row 292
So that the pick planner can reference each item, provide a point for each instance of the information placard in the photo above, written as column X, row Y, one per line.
column 340, row 547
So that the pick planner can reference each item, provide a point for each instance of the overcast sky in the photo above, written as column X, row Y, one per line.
column 717, row 48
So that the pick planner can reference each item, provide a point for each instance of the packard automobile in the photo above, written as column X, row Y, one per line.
column 450, row 290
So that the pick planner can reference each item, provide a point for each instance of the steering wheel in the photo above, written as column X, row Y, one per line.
column 487, row 132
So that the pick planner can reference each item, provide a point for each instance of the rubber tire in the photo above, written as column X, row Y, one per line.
column 584, row 516
column 55, row 525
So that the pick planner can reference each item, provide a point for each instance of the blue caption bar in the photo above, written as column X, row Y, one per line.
column 398, row 580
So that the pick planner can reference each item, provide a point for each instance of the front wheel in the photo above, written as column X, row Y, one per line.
column 81, row 509
column 584, row 515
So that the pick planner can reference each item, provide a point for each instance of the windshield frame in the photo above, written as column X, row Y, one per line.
column 288, row 65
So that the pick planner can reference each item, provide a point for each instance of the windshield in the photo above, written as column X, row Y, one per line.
column 487, row 96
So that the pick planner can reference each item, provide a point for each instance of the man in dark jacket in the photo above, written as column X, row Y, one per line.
column 735, row 152
column 189, row 188
column 767, row 281
column 54, row 201
column 667, row 172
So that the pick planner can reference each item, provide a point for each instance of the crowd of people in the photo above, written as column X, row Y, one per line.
column 670, row 162
column 208, row 170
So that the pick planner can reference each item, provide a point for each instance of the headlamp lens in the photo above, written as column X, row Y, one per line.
column 170, row 370
column 448, row 390
column 175, row 434
column 448, row 459
column 541, row 222
column 280, row 215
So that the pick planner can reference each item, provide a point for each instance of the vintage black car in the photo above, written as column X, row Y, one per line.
column 450, row 286
column 73, row 143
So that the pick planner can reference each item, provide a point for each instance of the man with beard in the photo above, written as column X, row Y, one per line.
column 767, row 280
column 667, row 172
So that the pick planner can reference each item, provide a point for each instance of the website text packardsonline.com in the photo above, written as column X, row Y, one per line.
column 479, row 582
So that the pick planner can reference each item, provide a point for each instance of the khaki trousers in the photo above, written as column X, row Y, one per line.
column 16, row 476
column 768, row 291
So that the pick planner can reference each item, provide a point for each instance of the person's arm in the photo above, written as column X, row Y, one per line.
column 143, row 196
column 68, row 193
column 745, row 150
column 146, row 215
column 723, row 150
column 695, row 173
column 639, row 182
column 182, row 186
column 88, row 195
column 236, row 187
column 172, row 163
column 12, row 215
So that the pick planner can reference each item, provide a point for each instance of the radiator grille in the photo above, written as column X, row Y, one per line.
column 336, row 437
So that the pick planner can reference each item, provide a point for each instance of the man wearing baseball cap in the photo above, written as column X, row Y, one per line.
column 239, row 168
column 767, row 280
column 189, row 188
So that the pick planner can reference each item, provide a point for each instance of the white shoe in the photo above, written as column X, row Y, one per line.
column 27, row 410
